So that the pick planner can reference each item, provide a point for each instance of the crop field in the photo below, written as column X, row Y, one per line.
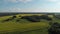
column 23, row 26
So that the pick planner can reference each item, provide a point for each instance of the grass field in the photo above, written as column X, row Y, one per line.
column 23, row 26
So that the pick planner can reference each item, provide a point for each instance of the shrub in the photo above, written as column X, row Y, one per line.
column 13, row 17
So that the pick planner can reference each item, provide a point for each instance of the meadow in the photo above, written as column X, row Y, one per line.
column 23, row 26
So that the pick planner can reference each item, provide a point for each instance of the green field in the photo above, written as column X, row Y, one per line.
column 24, row 26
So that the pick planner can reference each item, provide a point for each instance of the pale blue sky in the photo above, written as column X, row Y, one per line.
column 29, row 5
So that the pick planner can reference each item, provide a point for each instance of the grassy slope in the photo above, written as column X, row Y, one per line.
column 23, row 26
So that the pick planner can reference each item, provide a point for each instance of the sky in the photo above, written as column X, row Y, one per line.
column 30, row 6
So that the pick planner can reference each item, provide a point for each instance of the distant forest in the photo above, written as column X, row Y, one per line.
column 8, row 14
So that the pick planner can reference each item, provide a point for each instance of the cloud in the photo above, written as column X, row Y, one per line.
column 52, row 0
column 49, row 10
column 11, row 10
column 20, row 10
column 24, row 1
column 58, row 3
column 55, row 10
column 10, row 1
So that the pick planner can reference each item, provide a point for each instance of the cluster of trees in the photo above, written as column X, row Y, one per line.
column 11, row 18
column 36, row 18
column 55, row 28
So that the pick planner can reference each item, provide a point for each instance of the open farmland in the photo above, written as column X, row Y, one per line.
column 24, row 26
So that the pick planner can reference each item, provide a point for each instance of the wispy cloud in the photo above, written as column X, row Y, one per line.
column 32, row 10
column 58, row 3
column 24, row 1
column 52, row 0
column 11, row 10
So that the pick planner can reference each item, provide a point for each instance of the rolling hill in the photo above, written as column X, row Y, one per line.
column 23, row 26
